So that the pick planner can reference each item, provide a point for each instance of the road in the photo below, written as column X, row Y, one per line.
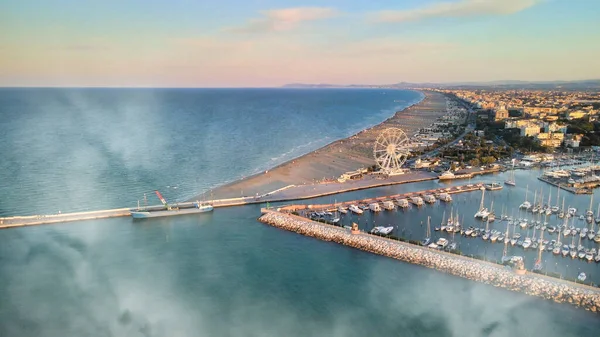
column 470, row 127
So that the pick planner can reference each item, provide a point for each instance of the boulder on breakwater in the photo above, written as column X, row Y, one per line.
column 489, row 273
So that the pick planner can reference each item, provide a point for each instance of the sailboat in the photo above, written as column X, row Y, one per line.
column 555, row 208
column 507, row 236
column 427, row 240
column 483, row 212
column 591, row 234
column 511, row 179
column 526, row 204
column 556, row 249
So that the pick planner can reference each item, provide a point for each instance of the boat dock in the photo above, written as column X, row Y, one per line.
column 568, row 188
column 435, row 192
column 532, row 284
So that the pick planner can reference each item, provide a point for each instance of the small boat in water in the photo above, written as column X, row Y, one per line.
column 386, row 230
column 493, row 187
column 417, row 201
column 581, row 277
column 355, row 209
column 428, row 198
column 376, row 230
column 389, row 205
column 375, row 207
column 171, row 210
column 402, row 203
column 445, row 197
column 442, row 243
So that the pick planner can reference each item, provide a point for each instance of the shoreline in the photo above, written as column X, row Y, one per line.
column 335, row 158
column 531, row 284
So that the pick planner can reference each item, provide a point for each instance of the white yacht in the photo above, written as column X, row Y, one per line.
column 482, row 213
column 386, row 230
column 375, row 207
column 442, row 243
column 376, row 230
column 447, row 176
column 445, row 197
column 403, row 203
column 417, row 201
column 355, row 209
column 389, row 205
column 526, row 243
column 428, row 198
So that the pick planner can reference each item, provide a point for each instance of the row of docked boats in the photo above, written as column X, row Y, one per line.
column 398, row 202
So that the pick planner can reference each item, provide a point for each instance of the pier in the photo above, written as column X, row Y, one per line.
column 568, row 188
column 287, row 193
column 435, row 192
column 560, row 291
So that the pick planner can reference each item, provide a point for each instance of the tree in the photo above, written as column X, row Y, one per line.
column 474, row 162
column 487, row 160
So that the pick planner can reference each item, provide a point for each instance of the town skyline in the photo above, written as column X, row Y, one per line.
column 270, row 44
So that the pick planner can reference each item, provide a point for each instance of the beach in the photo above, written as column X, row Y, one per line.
column 330, row 161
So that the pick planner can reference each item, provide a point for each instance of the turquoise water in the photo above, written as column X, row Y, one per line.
column 223, row 273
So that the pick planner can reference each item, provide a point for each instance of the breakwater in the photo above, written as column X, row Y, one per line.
column 489, row 273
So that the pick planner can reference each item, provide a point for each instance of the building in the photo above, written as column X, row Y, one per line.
column 501, row 114
column 535, row 110
column 529, row 130
column 576, row 114
column 573, row 140
column 550, row 139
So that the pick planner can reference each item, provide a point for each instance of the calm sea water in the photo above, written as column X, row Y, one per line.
column 219, row 274
column 86, row 149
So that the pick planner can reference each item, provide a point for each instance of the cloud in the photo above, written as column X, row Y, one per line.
column 462, row 8
column 284, row 19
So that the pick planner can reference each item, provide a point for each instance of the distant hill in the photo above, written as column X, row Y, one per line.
column 502, row 84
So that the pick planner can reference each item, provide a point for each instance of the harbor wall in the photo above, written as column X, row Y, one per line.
column 489, row 273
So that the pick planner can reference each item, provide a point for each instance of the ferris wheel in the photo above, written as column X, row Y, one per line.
column 391, row 150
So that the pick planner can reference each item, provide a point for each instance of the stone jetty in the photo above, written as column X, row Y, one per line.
column 499, row 276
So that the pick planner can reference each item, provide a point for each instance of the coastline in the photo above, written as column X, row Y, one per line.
column 343, row 155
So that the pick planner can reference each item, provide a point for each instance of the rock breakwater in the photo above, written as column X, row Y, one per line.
column 472, row 269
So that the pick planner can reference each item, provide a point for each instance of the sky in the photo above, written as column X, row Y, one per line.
column 267, row 43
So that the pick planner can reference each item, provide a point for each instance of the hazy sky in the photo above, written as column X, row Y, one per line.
column 235, row 43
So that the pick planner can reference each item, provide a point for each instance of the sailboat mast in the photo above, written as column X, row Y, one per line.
column 482, row 198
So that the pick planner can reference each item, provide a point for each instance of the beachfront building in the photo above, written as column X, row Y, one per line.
column 352, row 175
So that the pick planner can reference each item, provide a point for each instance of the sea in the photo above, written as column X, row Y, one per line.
column 223, row 273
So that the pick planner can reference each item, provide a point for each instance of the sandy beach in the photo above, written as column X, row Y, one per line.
column 330, row 161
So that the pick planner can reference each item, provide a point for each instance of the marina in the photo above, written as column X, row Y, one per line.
column 537, row 285
column 508, row 230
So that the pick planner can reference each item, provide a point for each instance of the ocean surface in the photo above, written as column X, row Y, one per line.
column 87, row 149
column 223, row 273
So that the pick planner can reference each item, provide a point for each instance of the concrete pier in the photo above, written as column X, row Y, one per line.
column 486, row 272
